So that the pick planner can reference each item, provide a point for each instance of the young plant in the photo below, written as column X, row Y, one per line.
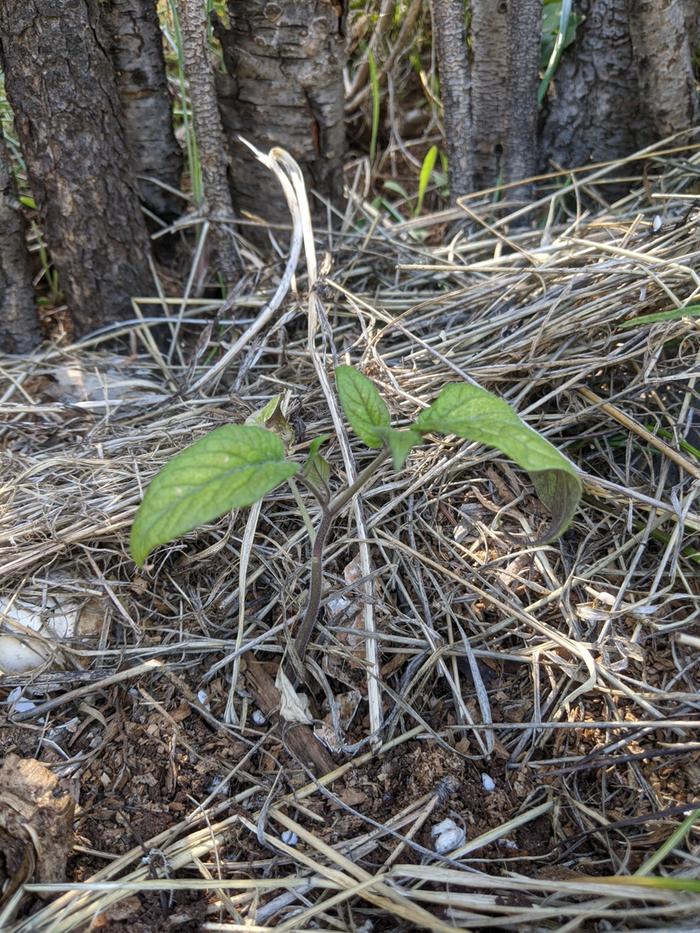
column 236, row 465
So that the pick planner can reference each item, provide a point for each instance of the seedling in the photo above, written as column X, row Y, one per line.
column 236, row 465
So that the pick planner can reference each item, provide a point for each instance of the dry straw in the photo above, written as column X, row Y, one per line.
column 569, row 669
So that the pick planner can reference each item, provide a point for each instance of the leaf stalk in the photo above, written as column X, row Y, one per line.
column 329, row 512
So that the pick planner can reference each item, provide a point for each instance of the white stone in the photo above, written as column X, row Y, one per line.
column 488, row 783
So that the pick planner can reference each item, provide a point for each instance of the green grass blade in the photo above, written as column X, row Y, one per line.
column 193, row 161
column 691, row 885
column 675, row 314
column 426, row 171
column 676, row 837
column 374, row 86
column 555, row 57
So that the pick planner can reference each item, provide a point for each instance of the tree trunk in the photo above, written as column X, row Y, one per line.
column 520, row 149
column 594, row 111
column 137, row 52
column 453, row 68
column 692, row 27
column 60, row 83
column 505, row 70
column 217, row 204
column 285, row 61
column 19, row 327
column 489, row 33
column 664, row 59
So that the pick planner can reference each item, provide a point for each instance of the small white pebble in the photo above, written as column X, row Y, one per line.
column 448, row 836
column 338, row 604
column 217, row 785
column 203, row 698
column 450, row 840
column 289, row 837
column 258, row 717
column 442, row 827
column 488, row 783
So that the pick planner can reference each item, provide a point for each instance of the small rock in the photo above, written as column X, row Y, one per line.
column 448, row 836
column 488, row 783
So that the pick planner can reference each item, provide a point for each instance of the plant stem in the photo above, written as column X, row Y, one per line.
column 313, row 602
column 303, row 511
column 346, row 495
column 329, row 512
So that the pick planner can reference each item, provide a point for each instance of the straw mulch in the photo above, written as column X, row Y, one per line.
column 544, row 699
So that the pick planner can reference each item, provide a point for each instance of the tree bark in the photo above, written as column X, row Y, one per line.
column 489, row 34
column 60, row 82
column 137, row 52
column 217, row 204
column 19, row 327
column 521, row 149
column 505, row 71
column 626, row 82
column 692, row 25
column 664, row 58
column 594, row 111
column 453, row 68
column 285, row 61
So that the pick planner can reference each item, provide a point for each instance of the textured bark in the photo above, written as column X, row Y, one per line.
column 60, row 82
column 453, row 68
column 489, row 32
column 19, row 327
column 595, row 112
column 520, row 150
column 505, row 72
column 664, row 59
column 137, row 52
column 285, row 62
column 692, row 24
column 217, row 205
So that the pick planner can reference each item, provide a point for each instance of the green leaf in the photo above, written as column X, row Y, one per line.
column 399, row 443
column 272, row 417
column 232, row 467
column 317, row 468
column 260, row 417
column 317, row 443
column 477, row 415
column 364, row 407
